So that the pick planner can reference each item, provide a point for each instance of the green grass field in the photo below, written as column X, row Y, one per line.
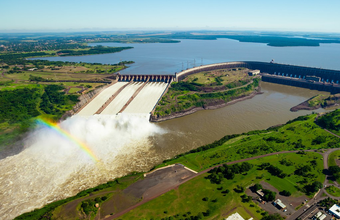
column 226, row 76
column 187, row 198
column 334, row 191
column 74, row 90
column 332, row 157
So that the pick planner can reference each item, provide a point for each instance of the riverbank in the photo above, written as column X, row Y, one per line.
column 316, row 102
column 216, row 105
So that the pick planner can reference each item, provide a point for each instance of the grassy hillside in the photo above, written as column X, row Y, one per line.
column 299, row 134
column 331, row 121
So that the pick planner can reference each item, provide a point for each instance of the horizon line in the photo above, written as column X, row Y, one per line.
column 89, row 30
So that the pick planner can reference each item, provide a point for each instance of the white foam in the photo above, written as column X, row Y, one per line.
column 52, row 167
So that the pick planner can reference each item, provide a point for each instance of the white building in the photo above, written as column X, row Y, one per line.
column 335, row 210
column 253, row 72
column 235, row 216
column 319, row 216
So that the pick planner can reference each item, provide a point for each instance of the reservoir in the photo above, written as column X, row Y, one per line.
column 168, row 58
column 50, row 168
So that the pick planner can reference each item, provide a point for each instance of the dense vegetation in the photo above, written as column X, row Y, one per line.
column 331, row 121
column 20, row 106
column 217, row 174
column 93, row 50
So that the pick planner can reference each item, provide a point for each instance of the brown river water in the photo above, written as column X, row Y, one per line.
column 261, row 112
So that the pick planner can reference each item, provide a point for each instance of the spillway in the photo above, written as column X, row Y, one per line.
column 147, row 98
column 122, row 98
column 97, row 102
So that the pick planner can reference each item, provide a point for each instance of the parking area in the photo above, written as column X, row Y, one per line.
column 290, row 202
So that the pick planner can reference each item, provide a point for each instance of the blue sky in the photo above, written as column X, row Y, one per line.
column 75, row 15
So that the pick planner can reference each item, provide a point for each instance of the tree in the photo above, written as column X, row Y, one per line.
column 239, row 189
column 200, row 215
column 275, row 216
column 285, row 193
column 268, row 195
column 303, row 171
column 257, row 186
column 314, row 187
column 334, row 169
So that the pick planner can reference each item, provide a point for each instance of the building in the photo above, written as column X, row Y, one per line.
column 253, row 72
column 278, row 203
column 319, row 216
column 335, row 210
column 260, row 193
column 235, row 216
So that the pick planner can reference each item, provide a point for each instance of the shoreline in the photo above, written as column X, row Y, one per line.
column 189, row 111
column 305, row 106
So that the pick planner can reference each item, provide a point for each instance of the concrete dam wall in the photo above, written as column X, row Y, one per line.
column 280, row 73
column 140, row 93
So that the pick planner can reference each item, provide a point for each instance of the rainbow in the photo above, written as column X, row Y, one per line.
column 67, row 135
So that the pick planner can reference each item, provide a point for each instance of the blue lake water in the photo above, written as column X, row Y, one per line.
column 168, row 58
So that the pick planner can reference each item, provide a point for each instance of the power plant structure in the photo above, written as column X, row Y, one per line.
column 139, row 94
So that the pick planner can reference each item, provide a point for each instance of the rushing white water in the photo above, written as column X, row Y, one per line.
column 148, row 97
column 92, row 107
column 52, row 167
column 122, row 98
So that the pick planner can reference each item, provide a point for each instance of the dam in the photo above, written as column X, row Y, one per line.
column 139, row 94
column 299, row 76
column 132, row 94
